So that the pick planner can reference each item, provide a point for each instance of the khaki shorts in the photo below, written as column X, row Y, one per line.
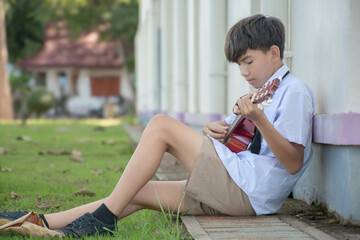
column 210, row 190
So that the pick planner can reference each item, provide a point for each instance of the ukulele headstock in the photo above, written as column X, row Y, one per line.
column 266, row 92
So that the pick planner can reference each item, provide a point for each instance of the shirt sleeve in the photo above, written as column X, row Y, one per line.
column 230, row 119
column 293, row 118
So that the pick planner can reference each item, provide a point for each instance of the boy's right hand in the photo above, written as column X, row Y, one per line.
column 216, row 130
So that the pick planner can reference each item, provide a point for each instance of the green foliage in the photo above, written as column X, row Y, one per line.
column 25, row 22
column 39, row 101
column 19, row 80
column 122, row 15
column 24, row 27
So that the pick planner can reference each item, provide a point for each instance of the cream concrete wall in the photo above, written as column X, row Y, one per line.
column 236, row 84
column 322, row 49
column 326, row 52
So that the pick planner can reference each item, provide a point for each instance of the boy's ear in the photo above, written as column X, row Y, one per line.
column 275, row 53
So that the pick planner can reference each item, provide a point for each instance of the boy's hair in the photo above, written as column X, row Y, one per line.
column 254, row 32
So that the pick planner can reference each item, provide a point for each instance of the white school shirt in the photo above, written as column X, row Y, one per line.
column 261, row 176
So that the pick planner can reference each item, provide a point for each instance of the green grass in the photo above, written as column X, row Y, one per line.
column 38, row 178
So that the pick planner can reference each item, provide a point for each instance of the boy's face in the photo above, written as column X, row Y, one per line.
column 256, row 66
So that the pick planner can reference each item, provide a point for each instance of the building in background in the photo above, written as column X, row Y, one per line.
column 182, row 71
column 85, row 74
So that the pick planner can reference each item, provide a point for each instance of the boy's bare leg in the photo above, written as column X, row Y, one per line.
column 168, row 194
column 162, row 134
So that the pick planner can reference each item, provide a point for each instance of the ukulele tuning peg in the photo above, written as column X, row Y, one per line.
column 265, row 104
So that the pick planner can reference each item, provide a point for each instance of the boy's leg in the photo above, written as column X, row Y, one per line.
column 162, row 134
column 154, row 195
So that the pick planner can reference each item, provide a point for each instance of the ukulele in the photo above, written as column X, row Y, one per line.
column 242, row 130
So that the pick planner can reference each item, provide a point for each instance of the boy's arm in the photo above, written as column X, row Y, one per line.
column 289, row 154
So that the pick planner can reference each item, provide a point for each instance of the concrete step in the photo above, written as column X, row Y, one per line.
column 259, row 227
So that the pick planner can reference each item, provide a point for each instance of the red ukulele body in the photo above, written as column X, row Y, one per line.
column 242, row 130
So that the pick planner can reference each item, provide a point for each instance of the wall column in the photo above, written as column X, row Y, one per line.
column 179, row 60
column 212, row 67
column 166, row 55
column 141, row 63
column 153, row 57
column 236, row 84
column 193, row 55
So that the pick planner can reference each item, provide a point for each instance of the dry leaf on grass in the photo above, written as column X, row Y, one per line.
column 114, row 169
column 14, row 195
column 6, row 169
column 99, row 128
column 84, row 140
column 57, row 152
column 76, row 159
column 24, row 138
column 62, row 129
column 84, row 192
column 2, row 151
column 109, row 142
column 76, row 152
column 45, row 205
column 96, row 171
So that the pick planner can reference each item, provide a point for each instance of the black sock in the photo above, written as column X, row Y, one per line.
column 43, row 218
column 105, row 215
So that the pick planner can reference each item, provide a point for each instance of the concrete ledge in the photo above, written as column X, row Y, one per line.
column 337, row 129
column 334, row 129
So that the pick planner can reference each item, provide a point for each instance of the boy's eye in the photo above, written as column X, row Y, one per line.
column 250, row 62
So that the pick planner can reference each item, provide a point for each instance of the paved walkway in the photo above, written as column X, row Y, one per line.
column 279, row 226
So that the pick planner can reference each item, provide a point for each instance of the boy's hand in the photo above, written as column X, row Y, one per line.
column 247, row 108
column 216, row 130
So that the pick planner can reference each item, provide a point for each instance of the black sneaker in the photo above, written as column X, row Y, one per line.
column 87, row 225
column 6, row 217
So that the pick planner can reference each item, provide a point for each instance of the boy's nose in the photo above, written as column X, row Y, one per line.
column 244, row 71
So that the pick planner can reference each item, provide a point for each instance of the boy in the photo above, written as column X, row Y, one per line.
column 220, row 182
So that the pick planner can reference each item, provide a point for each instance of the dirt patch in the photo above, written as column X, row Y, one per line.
column 317, row 216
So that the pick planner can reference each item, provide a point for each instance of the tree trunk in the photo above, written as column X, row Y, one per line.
column 6, row 110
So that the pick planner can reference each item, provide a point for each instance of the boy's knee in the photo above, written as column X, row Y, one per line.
column 159, row 120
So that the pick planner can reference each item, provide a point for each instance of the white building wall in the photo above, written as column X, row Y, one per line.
column 212, row 63
column 354, row 56
column 153, row 56
column 166, row 55
column 142, row 60
column 322, row 49
column 236, row 84
column 52, row 83
column 193, row 55
column 179, row 58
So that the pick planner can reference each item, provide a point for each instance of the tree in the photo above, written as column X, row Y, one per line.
column 6, row 111
column 25, row 21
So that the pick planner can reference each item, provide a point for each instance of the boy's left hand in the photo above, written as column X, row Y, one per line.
column 248, row 109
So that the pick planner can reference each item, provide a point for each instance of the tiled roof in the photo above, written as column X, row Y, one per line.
column 86, row 51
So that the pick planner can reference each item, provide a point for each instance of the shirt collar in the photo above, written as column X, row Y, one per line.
column 279, row 73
